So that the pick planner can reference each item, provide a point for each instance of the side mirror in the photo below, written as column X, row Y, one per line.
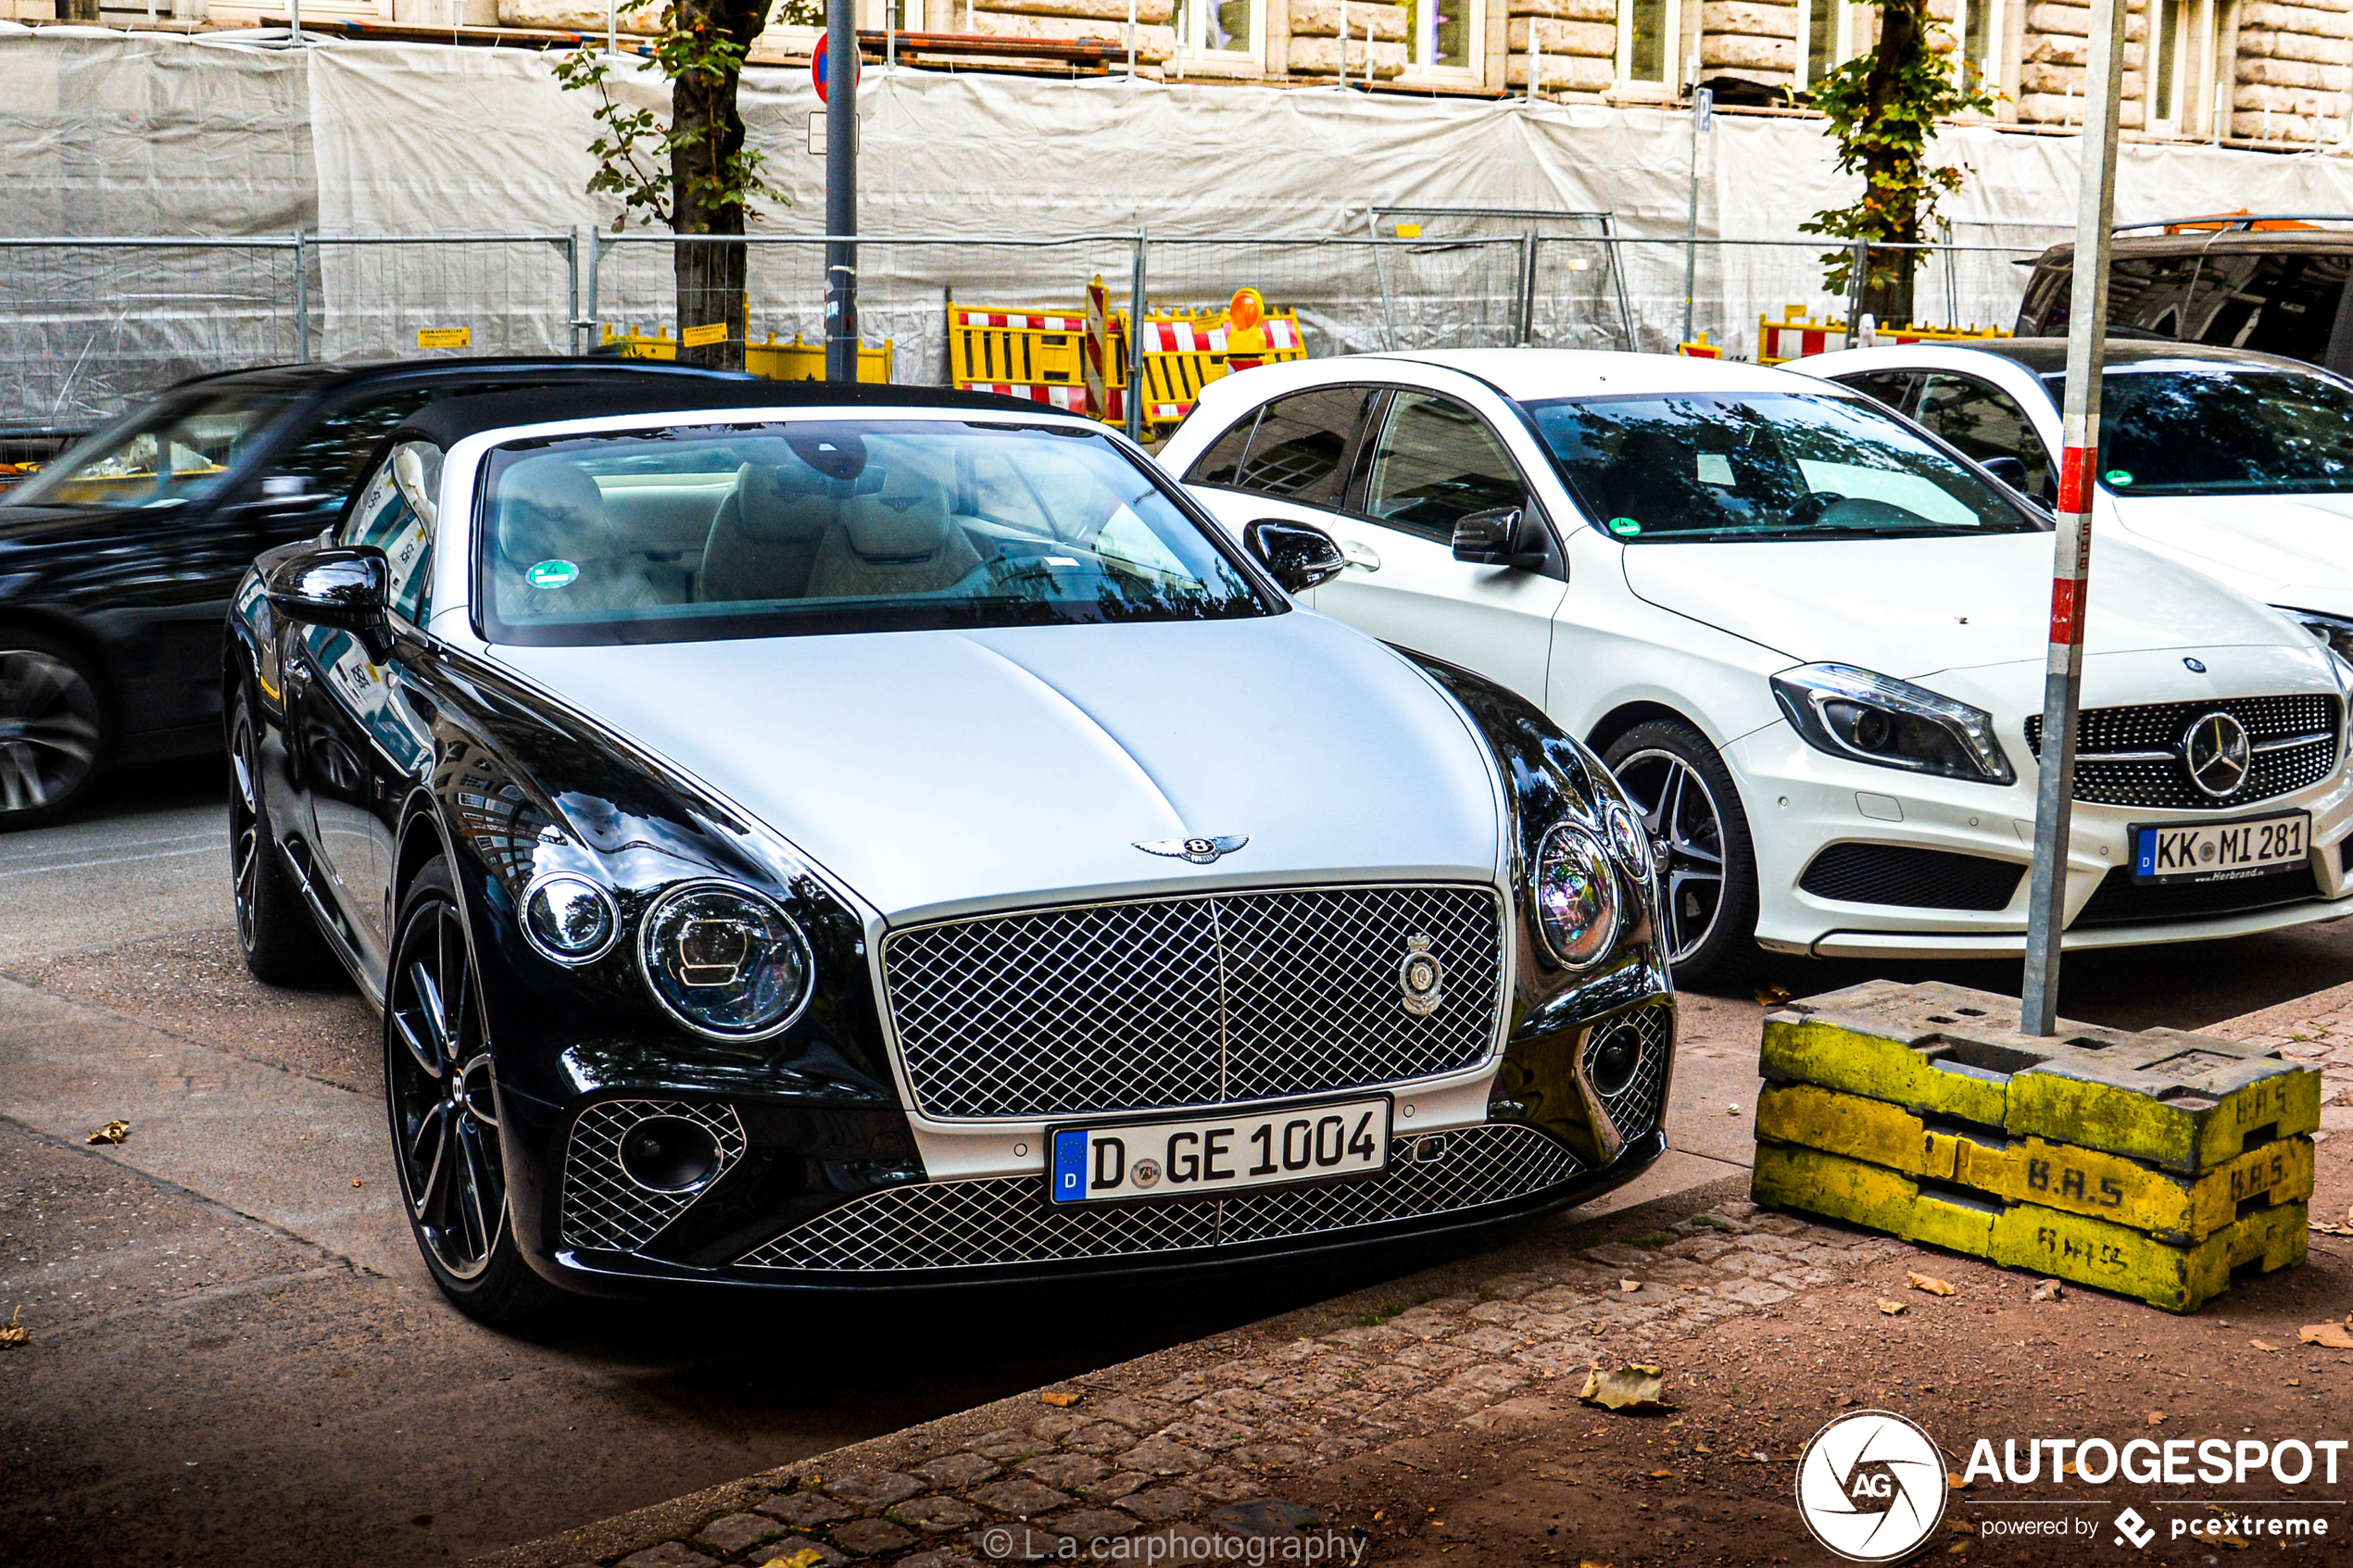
column 1500, row 536
column 2009, row 470
column 1299, row 554
column 347, row 588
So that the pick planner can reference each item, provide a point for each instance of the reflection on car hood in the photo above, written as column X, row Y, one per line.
column 2282, row 549
column 1908, row 608
column 940, row 771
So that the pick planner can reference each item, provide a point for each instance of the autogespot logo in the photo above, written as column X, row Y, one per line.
column 1871, row 1486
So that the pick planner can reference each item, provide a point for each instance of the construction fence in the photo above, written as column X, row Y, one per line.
column 88, row 326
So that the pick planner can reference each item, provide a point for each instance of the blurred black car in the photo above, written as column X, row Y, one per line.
column 118, row 558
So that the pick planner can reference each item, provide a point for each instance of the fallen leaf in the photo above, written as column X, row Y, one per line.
column 355, row 1181
column 1062, row 1398
column 1960, row 1526
column 1772, row 996
column 1657, row 1475
column 1630, row 1285
column 1759, row 1457
column 1633, row 1387
column 1893, row 1308
column 2234, row 1543
column 2049, row 1291
column 1733, row 1109
column 2261, row 1345
column 2296, row 1383
column 1924, row 1282
column 2156, row 1417
column 2330, row 1336
column 807, row 1557
column 1953, row 1482
column 113, row 1132
column 1702, row 1448
column 14, row 1333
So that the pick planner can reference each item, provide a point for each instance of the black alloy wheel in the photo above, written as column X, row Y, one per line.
column 276, row 929
column 52, row 727
column 441, row 1092
column 1700, row 840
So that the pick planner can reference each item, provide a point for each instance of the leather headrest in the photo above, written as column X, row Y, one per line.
column 784, row 505
column 548, row 506
column 907, row 520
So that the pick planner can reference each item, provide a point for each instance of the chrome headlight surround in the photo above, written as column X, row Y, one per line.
column 1862, row 717
column 1574, row 896
column 1627, row 838
column 569, row 920
column 725, row 960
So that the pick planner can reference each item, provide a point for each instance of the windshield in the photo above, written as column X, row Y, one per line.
column 2187, row 430
column 167, row 454
column 1696, row 467
column 694, row 533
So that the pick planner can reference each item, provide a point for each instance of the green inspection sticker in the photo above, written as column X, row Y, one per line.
column 1625, row 527
column 551, row 574
column 2119, row 477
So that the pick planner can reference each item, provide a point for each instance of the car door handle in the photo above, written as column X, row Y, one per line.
column 1358, row 555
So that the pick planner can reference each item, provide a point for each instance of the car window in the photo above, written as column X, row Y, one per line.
column 172, row 452
column 1708, row 467
column 324, row 461
column 1983, row 421
column 832, row 526
column 1435, row 463
column 386, row 517
column 1893, row 388
column 2287, row 306
column 1299, row 444
column 1222, row 463
column 2193, row 427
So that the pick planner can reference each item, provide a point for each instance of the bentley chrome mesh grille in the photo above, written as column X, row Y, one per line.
column 1190, row 1001
column 1003, row 1220
column 1637, row 1108
column 603, row 1208
column 2116, row 761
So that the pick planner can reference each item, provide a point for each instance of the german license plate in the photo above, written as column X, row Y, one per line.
column 2214, row 851
column 1201, row 1156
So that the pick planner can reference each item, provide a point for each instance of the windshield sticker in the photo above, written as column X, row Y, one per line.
column 2119, row 477
column 552, row 574
column 1624, row 527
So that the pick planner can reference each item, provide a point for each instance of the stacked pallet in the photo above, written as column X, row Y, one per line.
column 2155, row 1164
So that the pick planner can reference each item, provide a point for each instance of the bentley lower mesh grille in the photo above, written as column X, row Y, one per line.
column 1638, row 1107
column 2300, row 732
column 1006, row 1219
column 603, row 1207
column 1191, row 1001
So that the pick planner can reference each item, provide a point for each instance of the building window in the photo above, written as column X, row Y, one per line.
column 2168, row 56
column 1646, row 37
column 1217, row 27
column 1977, row 29
column 1441, row 35
column 1818, row 27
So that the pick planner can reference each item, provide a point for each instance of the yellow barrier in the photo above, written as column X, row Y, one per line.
column 796, row 360
column 1040, row 352
column 1795, row 335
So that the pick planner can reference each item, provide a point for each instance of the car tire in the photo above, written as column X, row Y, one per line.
column 53, row 727
column 276, row 932
column 441, row 1098
column 1692, row 811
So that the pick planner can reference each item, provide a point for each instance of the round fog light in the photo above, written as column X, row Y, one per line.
column 569, row 919
column 1612, row 1065
column 669, row 1154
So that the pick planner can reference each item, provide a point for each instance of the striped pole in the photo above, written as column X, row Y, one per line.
column 2071, row 571
column 1098, row 344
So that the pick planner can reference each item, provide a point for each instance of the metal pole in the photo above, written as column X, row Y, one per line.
column 1617, row 277
column 1131, row 41
column 1861, row 270
column 2071, row 569
column 1380, row 265
column 1703, row 112
column 1526, row 326
column 302, row 299
column 1136, row 387
column 841, row 191
column 293, row 17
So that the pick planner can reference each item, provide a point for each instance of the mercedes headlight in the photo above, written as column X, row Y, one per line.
column 1867, row 718
column 2333, row 633
column 724, row 961
column 1575, row 896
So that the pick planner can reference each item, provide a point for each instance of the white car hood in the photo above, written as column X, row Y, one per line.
column 1909, row 608
column 937, row 772
column 2283, row 549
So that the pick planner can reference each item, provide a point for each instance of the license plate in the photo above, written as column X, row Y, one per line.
column 2215, row 851
column 1200, row 1156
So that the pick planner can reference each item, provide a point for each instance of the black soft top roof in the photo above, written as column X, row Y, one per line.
column 341, row 376
column 450, row 420
column 2047, row 355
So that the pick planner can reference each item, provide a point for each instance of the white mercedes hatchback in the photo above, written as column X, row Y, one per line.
column 1811, row 640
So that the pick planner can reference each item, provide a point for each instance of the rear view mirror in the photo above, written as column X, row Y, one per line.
column 2009, row 470
column 346, row 588
column 1501, row 536
column 1299, row 554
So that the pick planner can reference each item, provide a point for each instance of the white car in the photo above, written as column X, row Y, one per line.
column 2239, row 464
column 1809, row 640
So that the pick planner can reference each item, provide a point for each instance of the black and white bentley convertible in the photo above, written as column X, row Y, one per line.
column 882, row 837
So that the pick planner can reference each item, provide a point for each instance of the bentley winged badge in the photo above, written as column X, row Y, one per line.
column 1200, row 851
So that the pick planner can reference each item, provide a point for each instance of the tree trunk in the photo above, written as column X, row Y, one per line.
column 705, row 194
column 1887, row 289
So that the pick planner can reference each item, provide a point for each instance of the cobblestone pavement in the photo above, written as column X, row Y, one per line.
column 2317, row 1030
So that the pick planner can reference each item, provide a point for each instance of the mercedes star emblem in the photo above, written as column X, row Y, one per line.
column 1200, row 851
column 1420, row 977
column 2194, row 667
column 2216, row 750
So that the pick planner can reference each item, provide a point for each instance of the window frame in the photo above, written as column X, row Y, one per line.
column 1367, row 450
column 2045, row 488
column 1669, row 82
column 1191, row 24
column 1420, row 67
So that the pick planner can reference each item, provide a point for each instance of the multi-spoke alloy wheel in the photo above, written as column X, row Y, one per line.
column 444, row 1120
column 1699, row 838
column 49, row 730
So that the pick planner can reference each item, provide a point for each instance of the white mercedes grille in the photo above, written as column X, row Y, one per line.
column 1636, row 1109
column 606, row 1211
column 1190, row 1001
column 1005, row 1220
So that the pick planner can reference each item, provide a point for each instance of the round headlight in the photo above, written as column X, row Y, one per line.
column 569, row 919
column 724, row 961
column 1575, row 895
column 1627, row 838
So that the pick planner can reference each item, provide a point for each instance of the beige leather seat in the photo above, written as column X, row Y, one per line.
column 763, row 539
column 552, row 510
column 901, row 540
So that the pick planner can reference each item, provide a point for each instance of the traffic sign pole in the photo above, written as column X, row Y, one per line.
column 2071, row 570
column 839, row 88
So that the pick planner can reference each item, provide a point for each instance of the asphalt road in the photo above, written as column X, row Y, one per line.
column 237, row 1359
